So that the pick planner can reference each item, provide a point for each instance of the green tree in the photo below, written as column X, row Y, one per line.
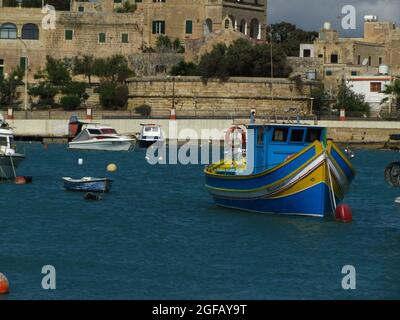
column 393, row 89
column 46, row 93
column 321, row 102
column 289, row 37
column 55, row 72
column 350, row 101
column 184, row 69
column 144, row 110
column 84, row 66
column 127, row 7
column 70, row 102
column 113, row 96
column 10, row 3
column 164, row 44
column 114, row 69
column 31, row 3
column 8, row 88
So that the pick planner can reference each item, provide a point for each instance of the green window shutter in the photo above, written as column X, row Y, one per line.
column 154, row 27
column 163, row 27
column 102, row 37
column 189, row 27
column 125, row 38
column 23, row 63
column 69, row 34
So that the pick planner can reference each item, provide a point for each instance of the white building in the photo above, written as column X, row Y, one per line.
column 371, row 86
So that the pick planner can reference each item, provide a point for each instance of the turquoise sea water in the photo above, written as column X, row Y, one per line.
column 157, row 235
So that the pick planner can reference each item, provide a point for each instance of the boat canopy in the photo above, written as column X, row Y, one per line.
column 272, row 144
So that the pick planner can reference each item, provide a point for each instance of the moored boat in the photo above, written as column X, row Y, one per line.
column 150, row 134
column 90, row 136
column 9, row 158
column 88, row 184
column 289, row 169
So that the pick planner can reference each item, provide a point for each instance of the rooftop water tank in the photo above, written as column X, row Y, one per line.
column 370, row 18
column 327, row 26
column 384, row 69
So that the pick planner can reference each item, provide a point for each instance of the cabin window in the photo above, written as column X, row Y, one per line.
column 3, row 141
column 94, row 131
column 297, row 135
column 280, row 134
column 108, row 131
column 313, row 134
column 260, row 136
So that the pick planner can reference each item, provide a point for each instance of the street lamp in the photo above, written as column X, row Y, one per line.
column 26, row 74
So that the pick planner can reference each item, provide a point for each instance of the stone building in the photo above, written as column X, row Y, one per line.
column 28, row 35
column 334, row 59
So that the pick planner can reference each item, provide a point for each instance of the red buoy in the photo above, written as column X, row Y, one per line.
column 343, row 213
column 20, row 180
column 4, row 285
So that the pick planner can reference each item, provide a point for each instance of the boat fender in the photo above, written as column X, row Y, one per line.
column 20, row 180
column 343, row 213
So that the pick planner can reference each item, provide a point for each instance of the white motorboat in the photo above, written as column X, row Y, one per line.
column 100, row 137
column 9, row 158
column 150, row 134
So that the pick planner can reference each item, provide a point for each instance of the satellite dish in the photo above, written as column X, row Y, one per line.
column 365, row 62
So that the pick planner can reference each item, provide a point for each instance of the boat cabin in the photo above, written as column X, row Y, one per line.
column 6, row 141
column 96, row 132
column 275, row 143
column 150, row 132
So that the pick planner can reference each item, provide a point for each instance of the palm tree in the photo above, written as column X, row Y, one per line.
column 393, row 90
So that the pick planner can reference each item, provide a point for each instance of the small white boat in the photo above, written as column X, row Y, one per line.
column 100, row 137
column 88, row 184
column 9, row 158
column 150, row 134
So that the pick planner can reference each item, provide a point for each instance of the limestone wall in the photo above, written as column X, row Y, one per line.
column 193, row 97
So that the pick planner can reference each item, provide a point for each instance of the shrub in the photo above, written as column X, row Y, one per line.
column 121, row 96
column 144, row 110
column 45, row 92
column 70, row 102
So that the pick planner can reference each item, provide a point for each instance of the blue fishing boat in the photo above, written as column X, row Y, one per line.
column 88, row 184
column 288, row 169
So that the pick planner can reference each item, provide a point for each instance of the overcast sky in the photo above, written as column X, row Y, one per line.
column 311, row 14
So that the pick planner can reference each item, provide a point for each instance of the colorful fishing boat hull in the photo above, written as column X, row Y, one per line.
column 310, row 182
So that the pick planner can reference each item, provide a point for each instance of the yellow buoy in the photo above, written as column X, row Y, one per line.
column 112, row 167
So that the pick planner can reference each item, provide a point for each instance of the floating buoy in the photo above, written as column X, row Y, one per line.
column 112, row 167
column 80, row 161
column 20, row 180
column 91, row 196
column 4, row 285
column 343, row 213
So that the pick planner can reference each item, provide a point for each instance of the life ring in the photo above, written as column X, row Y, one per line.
column 236, row 129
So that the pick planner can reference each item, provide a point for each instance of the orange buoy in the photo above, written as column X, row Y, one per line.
column 343, row 213
column 20, row 180
column 4, row 285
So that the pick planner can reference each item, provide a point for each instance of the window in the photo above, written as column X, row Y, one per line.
column 189, row 27
column 260, row 136
column 94, row 131
column 226, row 23
column 280, row 135
column 23, row 63
column 380, row 60
column 102, row 37
column 3, row 141
column 81, row 9
column 306, row 53
column 159, row 27
column 8, row 31
column 328, row 72
column 117, row 1
column 69, row 34
column 369, row 60
column 30, row 31
column 354, row 73
column 320, row 55
column 376, row 87
column 359, row 60
column 297, row 135
column 108, row 131
column 125, row 38
column 313, row 134
column 334, row 58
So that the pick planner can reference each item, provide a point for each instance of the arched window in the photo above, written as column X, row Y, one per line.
column 227, row 22
column 233, row 21
column 255, row 29
column 30, row 31
column 8, row 31
column 208, row 27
